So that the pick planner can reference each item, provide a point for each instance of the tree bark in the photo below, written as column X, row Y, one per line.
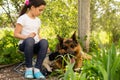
column 84, row 22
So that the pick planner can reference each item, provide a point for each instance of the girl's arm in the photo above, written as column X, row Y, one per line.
column 39, row 33
column 17, row 32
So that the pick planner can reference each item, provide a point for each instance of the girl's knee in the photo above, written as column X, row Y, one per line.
column 30, row 41
column 44, row 42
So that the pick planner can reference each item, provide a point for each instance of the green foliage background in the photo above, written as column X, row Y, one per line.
column 9, row 48
column 59, row 20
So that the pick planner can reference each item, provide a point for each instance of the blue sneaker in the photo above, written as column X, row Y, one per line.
column 29, row 74
column 39, row 75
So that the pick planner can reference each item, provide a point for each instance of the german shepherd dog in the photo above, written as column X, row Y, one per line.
column 67, row 46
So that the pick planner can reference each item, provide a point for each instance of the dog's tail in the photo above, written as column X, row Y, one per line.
column 86, row 56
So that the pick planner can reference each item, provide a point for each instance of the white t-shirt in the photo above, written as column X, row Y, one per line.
column 29, row 25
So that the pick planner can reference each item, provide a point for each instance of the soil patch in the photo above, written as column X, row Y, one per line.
column 7, row 73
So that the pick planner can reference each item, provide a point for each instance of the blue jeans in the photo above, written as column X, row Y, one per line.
column 29, row 47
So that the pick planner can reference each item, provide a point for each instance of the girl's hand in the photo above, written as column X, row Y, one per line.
column 33, row 34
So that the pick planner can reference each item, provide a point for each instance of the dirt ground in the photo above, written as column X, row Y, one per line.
column 8, row 73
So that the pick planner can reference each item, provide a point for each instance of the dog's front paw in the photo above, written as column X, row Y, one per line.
column 49, row 69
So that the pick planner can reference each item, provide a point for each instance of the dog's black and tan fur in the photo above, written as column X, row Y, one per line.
column 68, row 46
column 49, row 60
column 72, row 47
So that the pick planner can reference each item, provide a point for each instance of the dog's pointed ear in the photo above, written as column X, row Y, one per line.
column 74, row 37
column 60, row 39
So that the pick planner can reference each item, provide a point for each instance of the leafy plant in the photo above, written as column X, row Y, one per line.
column 105, row 65
column 9, row 48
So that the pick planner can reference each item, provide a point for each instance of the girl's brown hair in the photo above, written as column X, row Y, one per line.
column 35, row 3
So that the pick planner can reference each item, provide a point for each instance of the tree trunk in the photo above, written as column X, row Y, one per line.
column 84, row 22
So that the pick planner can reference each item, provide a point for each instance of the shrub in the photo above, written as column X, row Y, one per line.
column 8, row 48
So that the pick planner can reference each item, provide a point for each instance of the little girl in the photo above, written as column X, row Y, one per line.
column 27, row 30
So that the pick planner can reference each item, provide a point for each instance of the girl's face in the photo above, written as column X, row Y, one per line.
column 36, row 11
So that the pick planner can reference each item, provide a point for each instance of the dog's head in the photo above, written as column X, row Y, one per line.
column 69, row 45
